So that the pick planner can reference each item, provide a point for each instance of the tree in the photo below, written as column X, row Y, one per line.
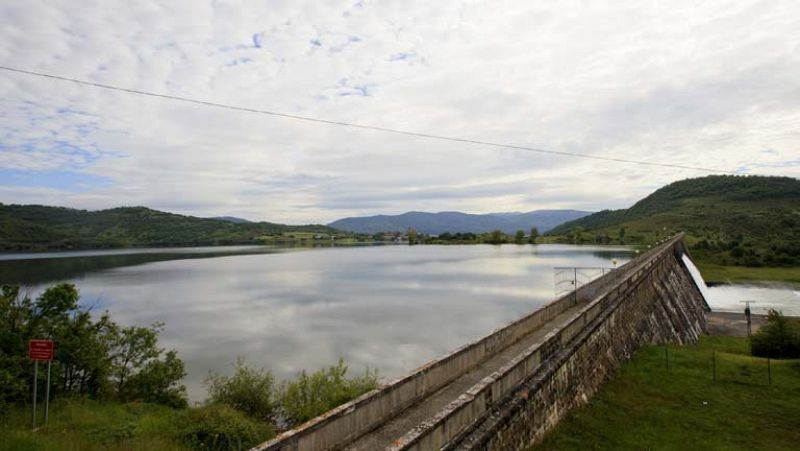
column 779, row 338
column 93, row 357
column 140, row 373
column 158, row 382
column 496, row 237
column 412, row 236
column 534, row 235
column 622, row 235
column 519, row 237
column 133, row 348
column 575, row 235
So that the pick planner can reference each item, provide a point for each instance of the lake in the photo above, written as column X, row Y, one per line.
column 392, row 308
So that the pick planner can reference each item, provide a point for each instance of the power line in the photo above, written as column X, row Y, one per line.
column 360, row 126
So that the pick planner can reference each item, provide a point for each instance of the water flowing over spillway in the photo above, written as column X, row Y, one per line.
column 698, row 278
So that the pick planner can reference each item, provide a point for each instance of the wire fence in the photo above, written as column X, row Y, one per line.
column 569, row 278
column 721, row 366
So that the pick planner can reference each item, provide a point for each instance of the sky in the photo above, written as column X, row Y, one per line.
column 714, row 84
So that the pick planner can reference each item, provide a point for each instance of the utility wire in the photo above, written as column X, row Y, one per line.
column 361, row 126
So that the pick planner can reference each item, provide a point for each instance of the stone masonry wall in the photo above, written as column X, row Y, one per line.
column 664, row 306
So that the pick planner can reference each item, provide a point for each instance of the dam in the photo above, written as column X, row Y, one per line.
column 507, row 389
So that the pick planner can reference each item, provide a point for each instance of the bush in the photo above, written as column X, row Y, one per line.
column 249, row 391
column 778, row 339
column 309, row 396
column 219, row 427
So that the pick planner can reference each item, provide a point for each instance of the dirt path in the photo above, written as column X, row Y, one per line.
column 732, row 324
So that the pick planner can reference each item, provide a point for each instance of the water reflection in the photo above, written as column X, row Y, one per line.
column 388, row 307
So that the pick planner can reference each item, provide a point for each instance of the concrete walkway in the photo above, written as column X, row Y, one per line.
column 732, row 324
column 396, row 427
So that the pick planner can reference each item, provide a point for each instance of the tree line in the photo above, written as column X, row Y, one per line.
column 494, row 237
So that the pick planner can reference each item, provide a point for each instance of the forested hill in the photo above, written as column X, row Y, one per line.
column 742, row 220
column 36, row 227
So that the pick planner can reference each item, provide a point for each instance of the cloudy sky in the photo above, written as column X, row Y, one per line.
column 712, row 84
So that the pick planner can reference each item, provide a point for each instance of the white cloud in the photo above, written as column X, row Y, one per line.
column 715, row 85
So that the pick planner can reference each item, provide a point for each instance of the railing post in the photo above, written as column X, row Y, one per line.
column 575, row 279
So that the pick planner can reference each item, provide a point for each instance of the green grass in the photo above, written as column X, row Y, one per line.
column 715, row 273
column 91, row 425
column 88, row 425
column 645, row 408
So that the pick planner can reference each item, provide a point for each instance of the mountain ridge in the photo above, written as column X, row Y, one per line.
column 455, row 221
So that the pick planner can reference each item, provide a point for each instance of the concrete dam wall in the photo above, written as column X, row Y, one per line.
column 507, row 389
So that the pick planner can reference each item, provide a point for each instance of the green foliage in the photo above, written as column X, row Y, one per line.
column 134, row 347
column 311, row 395
column 455, row 238
column 496, row 237
column 249, row 390
column 729, row 220
column 778, row 339
column 158, row 381
column 412, row 236
column 222, row 428
column 92, row 357
column 534, row 235
column 255, row 393
column 36, row 227
column 519, row 237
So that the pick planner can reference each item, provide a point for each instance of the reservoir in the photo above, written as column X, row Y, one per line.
column 391, row 308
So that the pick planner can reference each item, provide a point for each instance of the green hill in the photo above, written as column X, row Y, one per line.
column 729, row 220
column 36, row 227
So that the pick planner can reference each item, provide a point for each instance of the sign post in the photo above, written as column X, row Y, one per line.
column 41, row 350
column 35, row 376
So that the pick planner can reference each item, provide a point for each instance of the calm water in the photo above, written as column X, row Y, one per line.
column 386, row 307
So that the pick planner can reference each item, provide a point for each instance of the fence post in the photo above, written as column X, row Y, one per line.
column 714, row 364
column 769, row 372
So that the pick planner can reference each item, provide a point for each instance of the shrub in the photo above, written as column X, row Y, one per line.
column 220, row 428
column 311, row 395
column 249, row 390
column 779, row 338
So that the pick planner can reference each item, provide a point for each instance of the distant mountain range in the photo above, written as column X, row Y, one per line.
column 453, row 221
column 232, row 219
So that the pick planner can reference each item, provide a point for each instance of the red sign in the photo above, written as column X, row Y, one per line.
column 41, row 349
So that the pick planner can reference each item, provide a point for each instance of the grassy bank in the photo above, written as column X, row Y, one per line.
column 88, row 425
column 714, row 273
column 645, row 407
column 91, row 425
